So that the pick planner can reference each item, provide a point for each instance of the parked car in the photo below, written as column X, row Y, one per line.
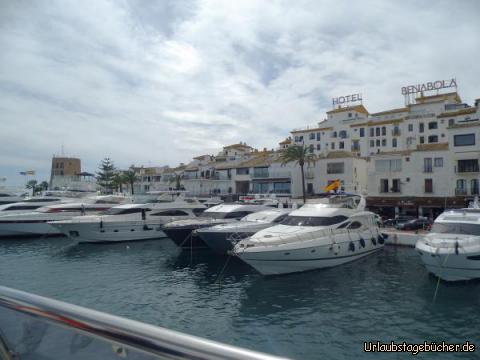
column 397, row 220
column 415, row 224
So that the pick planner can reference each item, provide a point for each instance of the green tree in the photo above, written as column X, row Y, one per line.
column 32, row 184
column 130, row 177
column 105, row 174
column 301, row 156
column 43, row 186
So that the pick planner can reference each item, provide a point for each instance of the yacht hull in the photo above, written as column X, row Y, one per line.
column 222, row 242
column 32, row 228
column 186, row 237
column 110, row 232
column 449, row 264
column 279, row 259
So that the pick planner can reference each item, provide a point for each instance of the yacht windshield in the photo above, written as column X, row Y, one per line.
column 123, row 211
column 456, row 228
column 213, row 215
column 313, row 220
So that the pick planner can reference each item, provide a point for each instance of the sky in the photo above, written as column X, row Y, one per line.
column 158, row 82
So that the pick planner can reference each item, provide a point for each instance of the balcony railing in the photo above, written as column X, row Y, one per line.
column 460, row 192
column 428, row 169
column 309, row 174
column 271, row 175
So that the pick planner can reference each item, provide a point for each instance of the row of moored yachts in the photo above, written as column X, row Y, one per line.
column 322, row 233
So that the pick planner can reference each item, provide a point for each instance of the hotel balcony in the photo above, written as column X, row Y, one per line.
column 271, row 175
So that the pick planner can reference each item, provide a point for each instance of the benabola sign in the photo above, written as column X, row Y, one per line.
column 434, row 85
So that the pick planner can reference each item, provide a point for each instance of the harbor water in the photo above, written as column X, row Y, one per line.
column 326, row 314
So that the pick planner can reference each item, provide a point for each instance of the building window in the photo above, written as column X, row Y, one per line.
column 421, row 127
column 342, row 134
column 332, row 145
column 384, row 185
column 451, row 122
column 470, row 165
column 362, row 132
column 242, row 171
column 438, row 162
column 422, row 140
column 341, row 145
column 355, row 145
column 384, row 131
column 372, row 143
column 410, row 127
column 394, row 142
column 396, row 185
column 384, row 142
column 318, row 136
column 428, row 185
column 396, row 130
column 311, row 148
column 377, row 131
column 474, row 186
column 433, row 139
column 312, row 136
column 378, row 142
column 318, row 147
column 372, row 132
column 334, row 134
column 427, row 165
column 461, row 188
column 335, row 168
column 432, row 125
column 349, row 115
column 392, row 165
column 464, row 140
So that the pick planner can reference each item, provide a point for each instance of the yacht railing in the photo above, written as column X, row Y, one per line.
column 35, row 327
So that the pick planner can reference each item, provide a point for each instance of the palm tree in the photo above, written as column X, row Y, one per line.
column 176, row 178
column 130, row 177
column 32, row 184
column 301, row 155
column 43, row 186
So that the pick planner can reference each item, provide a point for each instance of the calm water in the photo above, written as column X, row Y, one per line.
column 321, row 314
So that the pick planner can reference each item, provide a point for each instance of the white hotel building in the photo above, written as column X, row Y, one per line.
column 417, row 159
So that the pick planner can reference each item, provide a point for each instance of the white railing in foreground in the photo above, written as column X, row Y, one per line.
column 32, row 326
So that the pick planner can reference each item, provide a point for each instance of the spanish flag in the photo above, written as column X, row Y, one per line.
column 335, row 185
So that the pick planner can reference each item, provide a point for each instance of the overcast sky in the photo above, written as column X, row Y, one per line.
column 157, row 82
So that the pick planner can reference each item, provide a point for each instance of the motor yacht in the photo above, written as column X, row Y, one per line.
column 29, row 204
column 128, row 222
column 35, row 223
column 323, row 233
column 183, row 233
column 221, row 238
column 451, row 250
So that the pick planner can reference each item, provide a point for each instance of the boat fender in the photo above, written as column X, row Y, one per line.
column 351, row 246
column 144, row 215
column 374, row 241
column 456, row 247
column 101, row 224
column 362, row 242
column 380, row 240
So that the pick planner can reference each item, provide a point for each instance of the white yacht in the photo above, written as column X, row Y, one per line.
column 29, row 204
column 128, row 222
column 35, row 223
column 323, row 233
column 451, row 250
column 184, row 234
column 221, row 238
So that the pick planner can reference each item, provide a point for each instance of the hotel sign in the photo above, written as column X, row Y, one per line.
column 429, row 86
column 341, row 100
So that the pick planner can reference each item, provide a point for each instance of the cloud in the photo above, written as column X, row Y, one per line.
column 161, row 82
